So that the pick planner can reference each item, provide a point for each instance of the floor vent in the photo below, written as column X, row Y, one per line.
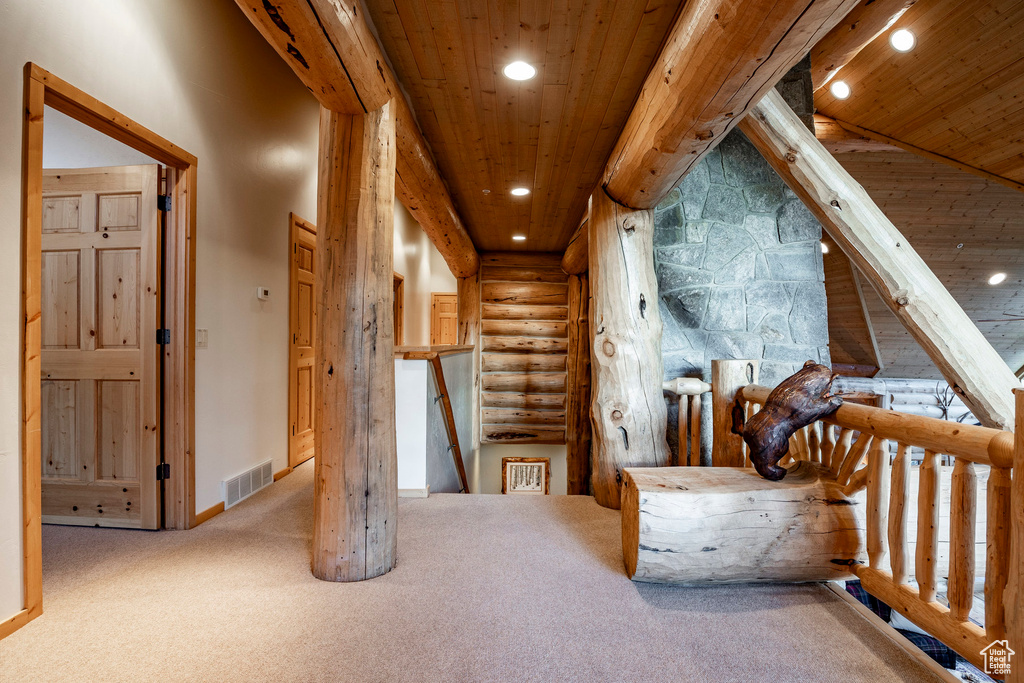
column 244, row 485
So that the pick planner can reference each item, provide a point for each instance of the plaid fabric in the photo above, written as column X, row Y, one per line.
column 881, row 610
column 932, row 647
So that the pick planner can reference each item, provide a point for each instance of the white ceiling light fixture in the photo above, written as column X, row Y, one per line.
column 997, row 278
column 902, row 40
column 519, row 71
column 824, row 248
column 519, row 191
column 839, row 89
column 519, row 238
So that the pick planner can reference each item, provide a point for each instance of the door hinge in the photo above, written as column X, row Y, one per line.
column 163, row 337
column 163, row 471
column 163, row 202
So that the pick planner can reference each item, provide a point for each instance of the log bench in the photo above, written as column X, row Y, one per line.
column 707, row 525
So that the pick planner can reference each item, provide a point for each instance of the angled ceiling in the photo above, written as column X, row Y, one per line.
column 551, row 134
column 958, row 94
column 939, row 208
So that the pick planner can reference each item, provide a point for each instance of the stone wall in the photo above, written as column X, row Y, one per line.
column 740, row 272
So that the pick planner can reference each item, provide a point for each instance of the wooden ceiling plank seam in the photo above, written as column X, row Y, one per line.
column 563, row 35
column 535, row 22
column 552, row 105
column 932, row 155
column 416, row 27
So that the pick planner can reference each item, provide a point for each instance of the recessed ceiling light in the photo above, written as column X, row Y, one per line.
column 839, row 90
column 997, row 278
column 519, row 191
column 519, row 71
column 824, row 248
column 487, row 191
column 519, row 238
column 902, row 40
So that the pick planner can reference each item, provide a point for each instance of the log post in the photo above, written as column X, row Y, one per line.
column 577, row 388
column 469, row 334
column 975, row 371
column 728, row 377
column 355, row 493
column 630, row 418
column 1013, row 599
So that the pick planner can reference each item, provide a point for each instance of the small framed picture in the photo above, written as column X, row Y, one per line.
column 530, row 476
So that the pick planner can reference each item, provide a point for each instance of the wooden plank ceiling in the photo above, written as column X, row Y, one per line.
column 551, row 134
column 959, row 93
column 939, row 208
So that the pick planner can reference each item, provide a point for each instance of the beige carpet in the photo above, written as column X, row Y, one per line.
column 492, row 588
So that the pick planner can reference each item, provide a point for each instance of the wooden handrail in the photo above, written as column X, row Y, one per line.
column 982, row 445
column 867, row 463
column 434, row 357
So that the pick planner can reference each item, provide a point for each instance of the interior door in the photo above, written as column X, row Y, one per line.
column 444, row 319
column 302, row 326
column 100, row 375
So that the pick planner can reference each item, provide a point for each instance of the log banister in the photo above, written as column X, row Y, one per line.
column 982, row 445
column 888, row 496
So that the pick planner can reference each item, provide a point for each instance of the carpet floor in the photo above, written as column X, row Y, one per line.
column 487, row 588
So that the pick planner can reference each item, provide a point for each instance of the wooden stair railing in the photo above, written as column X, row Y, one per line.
column 688, row 390
column 864, row 462
column 434, row 357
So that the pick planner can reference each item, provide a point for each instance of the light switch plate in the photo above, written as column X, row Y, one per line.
column 202, row 339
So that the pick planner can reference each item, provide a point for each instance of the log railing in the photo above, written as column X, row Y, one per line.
column 688, row 390
column 853, row 444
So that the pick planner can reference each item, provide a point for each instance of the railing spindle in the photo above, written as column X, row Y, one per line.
column 997, row 562
column 898, row 492
column 925, row 569
column 878, row 501
column 828, row 444
column 853, row 459
column 843, row 446
column 963, row 504
column 814, row 442
column 681, row 424
column 694, row 431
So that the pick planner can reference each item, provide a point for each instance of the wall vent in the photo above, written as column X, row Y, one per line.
column 247, row 483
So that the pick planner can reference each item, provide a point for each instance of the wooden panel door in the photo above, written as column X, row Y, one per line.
column 444, row 319
column 302, row 328
column 100, row 375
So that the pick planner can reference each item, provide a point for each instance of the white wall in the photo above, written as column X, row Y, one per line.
column 70, row 144
column 424, row 270
column 197, row 73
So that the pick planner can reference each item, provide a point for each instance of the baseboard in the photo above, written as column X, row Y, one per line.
column 892, row 634
column 414, row 493
column 283, row 473
column 12, row 624
column 209, row 513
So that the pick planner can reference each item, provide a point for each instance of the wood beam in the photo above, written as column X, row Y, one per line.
column 865, row 22
column 838, row 140
column 721, row 57
column 574, row 261
column 1013, row 598
column 629, row 414
column 355, row 493
column 577, row 388
column 333, row 52
column 884, row 257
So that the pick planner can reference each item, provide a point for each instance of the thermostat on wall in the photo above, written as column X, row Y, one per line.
column 262, row 293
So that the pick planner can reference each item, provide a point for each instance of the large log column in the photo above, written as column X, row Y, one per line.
column 902, row 279
column 355, row 493
column 577, row 388
column 629, row 414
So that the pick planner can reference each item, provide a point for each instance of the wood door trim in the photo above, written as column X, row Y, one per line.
column 399, row 305
column 42, row 88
